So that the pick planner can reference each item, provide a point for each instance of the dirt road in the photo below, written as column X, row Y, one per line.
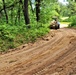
column 54, row 54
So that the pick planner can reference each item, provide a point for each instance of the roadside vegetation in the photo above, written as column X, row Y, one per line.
column 13, row 36
column 18, row 26
column 69, row 14
column 23, row 21
column 72, row 19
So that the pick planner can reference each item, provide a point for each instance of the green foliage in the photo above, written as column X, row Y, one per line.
column 72, row 8
column 13, row 36
column 69, row 9
column 64, row 11
column 73, row 21
column 16, row 32
column 48, row 10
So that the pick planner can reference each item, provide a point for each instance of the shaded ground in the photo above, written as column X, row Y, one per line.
column 55, row 54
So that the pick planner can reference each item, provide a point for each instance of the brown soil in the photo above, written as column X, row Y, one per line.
column 55, row 54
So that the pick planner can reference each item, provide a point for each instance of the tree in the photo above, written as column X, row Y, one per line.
column 37, row 10
column 4, row 7
column 72, row 8
column 26, row 15
column 31, row 6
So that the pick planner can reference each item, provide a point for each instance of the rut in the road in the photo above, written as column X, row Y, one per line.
column 47, row 58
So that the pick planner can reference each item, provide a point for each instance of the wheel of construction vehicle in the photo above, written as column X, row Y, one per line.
column 56, row 27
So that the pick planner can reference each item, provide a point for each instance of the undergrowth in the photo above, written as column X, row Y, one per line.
column 71, row 20
column 11, row 36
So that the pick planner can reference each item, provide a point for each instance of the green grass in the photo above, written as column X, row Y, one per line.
column 65, row 23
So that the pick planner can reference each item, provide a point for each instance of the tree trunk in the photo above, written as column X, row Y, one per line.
column 26, row 15
column 19, row 15
column 4, row 7
column 37, row 10
column 12, row 15
column 31, row 6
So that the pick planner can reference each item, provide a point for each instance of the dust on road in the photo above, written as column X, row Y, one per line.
column 54, row 54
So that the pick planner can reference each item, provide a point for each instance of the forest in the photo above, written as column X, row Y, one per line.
column 23, row 21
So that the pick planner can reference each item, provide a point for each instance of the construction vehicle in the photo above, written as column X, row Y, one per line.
column 54, row 24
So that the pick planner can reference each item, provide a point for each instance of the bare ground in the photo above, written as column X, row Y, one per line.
column 54, row 54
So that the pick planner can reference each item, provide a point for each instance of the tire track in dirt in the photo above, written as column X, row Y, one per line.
column 41, row 59
column 55, row 59
column 60, row 61
column 34, row 53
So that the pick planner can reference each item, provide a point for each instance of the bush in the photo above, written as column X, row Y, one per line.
column 73, row 21
column 12, row 36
